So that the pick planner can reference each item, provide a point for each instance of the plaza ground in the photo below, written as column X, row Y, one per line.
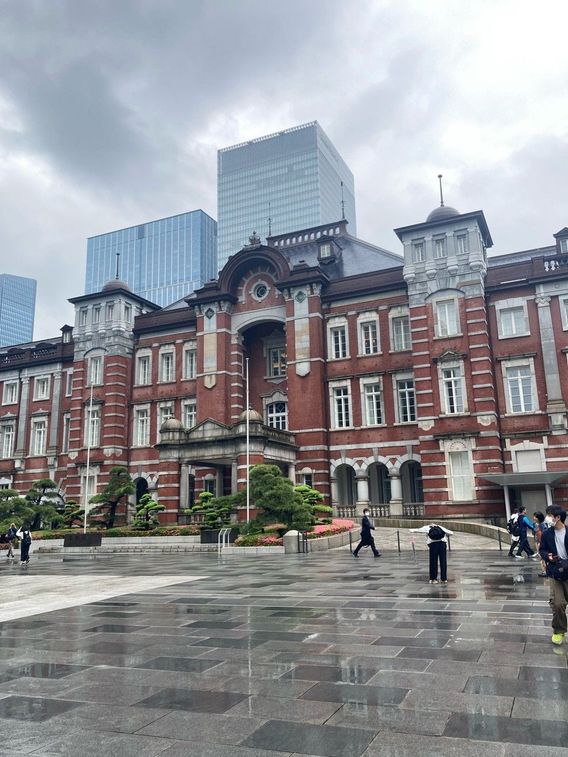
column 314, row 654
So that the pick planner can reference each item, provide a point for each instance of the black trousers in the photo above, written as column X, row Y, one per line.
column 438, row 553
column 513, row 547
column 524, row 546
column 24, row 552
column 368, row 543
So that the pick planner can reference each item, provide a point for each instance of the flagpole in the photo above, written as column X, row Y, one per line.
column 87, row 474
column 248, row 439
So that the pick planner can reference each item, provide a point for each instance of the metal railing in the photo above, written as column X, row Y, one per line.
column 223, row 539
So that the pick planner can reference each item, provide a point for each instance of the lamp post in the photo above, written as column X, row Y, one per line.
column 248, row 439
column 87, row 473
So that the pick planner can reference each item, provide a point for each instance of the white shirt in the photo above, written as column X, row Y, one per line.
column 425, row 529
column 559, row 536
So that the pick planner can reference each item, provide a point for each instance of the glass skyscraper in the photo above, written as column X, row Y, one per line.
column 17, row 309
column 292, row 177
column 162, row 260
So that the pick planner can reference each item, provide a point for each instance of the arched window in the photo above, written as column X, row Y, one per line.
column 346, row 485
column 379, row 484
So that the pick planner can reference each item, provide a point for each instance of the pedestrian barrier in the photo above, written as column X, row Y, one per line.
column 223, row 539
column 303, row 544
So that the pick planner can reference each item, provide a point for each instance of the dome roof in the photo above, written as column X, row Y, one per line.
column 254, row 416
column 172, row 424
column 110, row 286
column 441, row 212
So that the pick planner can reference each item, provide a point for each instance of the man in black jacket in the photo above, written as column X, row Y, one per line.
column 554, row 552
column 366, row 536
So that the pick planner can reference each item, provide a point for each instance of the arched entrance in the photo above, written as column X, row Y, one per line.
column 141, row 489
column 346, row 485
column 379, row 484
column 411, row 477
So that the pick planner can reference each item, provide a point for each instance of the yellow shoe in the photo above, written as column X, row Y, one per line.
column 557, row 638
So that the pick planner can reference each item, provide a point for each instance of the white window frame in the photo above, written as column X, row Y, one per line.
column 127, row 312
column 189, row 409
column 338, row 347
column 445, row 327
column 461, row 241
column 109, row 311
column 440, row 244
column 513, row 365
column 162, row 416
column 10, row 392
column 345, row 388
column 418, row 251
column 399, row 378
column 275, row 358
column 143, row 357
column 7, row 438
column 43, row 395
column 190, row 360
column 92, row 429
column 139, row 440
column 95, row 370
column 170, row 376
column 399, row 345
column 506, row 306
column 365, row 320
column 325, row 250
column 462, row 486
column 274, row 419
column 38, row 449
column 369, row 392
column 69, row 382
column 446, row 382
column 83, row 316
column 96, row 317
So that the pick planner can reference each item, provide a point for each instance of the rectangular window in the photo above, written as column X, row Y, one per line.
column 95, row 370
column 462, row 244
column 401, row 333
column 308, row 479
column 141, row 427
column 7, row 437
column 373, row 404
column 41, row 388
column 276, row 361
column 10, row 395
column 69, row 383
column 325, row 250
column 460, row 476
column 66, row 432
column 342, row 408
column 143, row 370
column 369, row 338
column 167, row 367
column 127, row 313
column 189, row 413
column 452, row 379
column 93, row 427
column 338, row 336
column 277, row 415
column 109, row 311
column 440, row 248
column 83, row 315
column 39, row 437
column 406, row 400
column 513, row 321
column 190, row 360
column 418, row 252
column 164, row 413
column 520, row 388
column 96, row 314
column 447, row 318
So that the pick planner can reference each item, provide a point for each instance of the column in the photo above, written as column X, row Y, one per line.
column 219, row 481
column 396, row 493
column 556, row 408
column 23, row 417
column 234, row 477
column 183, row 486
column 507, row 502
column 548, row 490
column 54, row 420
column 362, row 481
column 292, row 473
column 333, row 484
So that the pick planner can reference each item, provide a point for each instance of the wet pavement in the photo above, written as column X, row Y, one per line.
column 249, row 657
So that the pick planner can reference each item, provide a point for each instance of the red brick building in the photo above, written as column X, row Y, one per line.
column 433, row 381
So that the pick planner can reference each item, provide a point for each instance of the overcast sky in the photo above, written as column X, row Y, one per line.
column 111, row 112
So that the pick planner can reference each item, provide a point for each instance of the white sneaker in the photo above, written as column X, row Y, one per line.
column 519, row 557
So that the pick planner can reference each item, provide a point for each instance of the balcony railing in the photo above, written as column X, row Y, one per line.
column 413, row 510
column 380, row 511
column 345, row 511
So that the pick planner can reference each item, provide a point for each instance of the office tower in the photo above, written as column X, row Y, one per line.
column 296, row 178
column 17, row 309
column 161, row 261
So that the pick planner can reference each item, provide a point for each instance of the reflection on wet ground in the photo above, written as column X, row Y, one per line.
column 314, row 655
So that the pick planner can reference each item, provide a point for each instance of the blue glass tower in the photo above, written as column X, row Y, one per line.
column 162, row 260
column 293, row 177
column 17, row 309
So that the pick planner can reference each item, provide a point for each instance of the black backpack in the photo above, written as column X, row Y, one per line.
column 27, row 538
column 513, row 526
column 436, row 533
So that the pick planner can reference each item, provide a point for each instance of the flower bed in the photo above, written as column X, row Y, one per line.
column 259, row 540
column 338, row 526
column 117, row 532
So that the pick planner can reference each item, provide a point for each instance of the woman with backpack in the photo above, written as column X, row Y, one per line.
column 437, row 547
column 25, row 537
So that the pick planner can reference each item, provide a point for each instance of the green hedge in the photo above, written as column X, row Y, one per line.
column 112, row 532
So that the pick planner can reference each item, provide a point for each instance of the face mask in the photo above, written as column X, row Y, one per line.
column 549, row 520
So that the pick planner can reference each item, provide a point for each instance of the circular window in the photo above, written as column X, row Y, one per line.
column 260, row 291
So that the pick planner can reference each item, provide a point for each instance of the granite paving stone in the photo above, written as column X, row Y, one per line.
column 326, row 741
column 285, row 709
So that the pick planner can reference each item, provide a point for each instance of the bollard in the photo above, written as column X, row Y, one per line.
column 350, row 542
column 398, row 540
column 500, row 545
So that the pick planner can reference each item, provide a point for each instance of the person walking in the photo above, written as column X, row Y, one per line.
column 540, row 527
column 11, row 536
column 524, row 525
column 366, row 535
column 554, row 552
column 513, row 529
column 437, row 547
column 25, row 537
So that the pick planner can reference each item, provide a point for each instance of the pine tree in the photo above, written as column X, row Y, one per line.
column 119, row 485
